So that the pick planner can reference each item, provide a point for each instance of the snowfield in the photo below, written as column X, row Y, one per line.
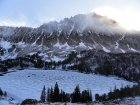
column 29, row 83
column 3, row 102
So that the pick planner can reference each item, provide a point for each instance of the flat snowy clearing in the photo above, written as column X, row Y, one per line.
column 29, row 83
column 3, row 102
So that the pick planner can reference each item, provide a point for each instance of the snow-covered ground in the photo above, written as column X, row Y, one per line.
column 130, row 101
column 124, row 101
column 29, row 83
column 4, row 102
column 9, row 100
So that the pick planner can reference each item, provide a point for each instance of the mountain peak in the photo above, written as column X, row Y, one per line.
column 77, row 33
column 82, row 22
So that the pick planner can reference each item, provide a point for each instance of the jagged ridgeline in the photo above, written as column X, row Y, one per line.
column 56, row 39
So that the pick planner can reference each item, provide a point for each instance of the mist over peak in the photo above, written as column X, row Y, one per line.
column 77, row 33
column 83, row 22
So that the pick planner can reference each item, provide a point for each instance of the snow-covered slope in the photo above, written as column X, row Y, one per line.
column 124, row 101
column 57, row 39
column 29, row 83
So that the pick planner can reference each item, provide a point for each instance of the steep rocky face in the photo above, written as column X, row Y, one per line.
column 57, row 39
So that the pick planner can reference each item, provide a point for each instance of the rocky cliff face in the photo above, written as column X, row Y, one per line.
column 57, row 39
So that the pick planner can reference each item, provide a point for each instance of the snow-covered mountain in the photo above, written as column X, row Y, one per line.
column 56, row 39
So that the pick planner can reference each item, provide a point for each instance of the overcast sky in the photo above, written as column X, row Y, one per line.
column 33, row 13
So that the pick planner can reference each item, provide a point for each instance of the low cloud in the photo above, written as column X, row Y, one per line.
column 12, row 23
column 46, row 20
column 24, row 22
column 128, row 18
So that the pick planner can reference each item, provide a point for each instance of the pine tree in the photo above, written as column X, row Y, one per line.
column 104, row 97
column 52, row 95
column 43, row 95
column 64, row 97
column 1, row 92
column 49, row 95
column 56, row 93
column 67, row 97
column 97, row 97
column 76, row 97
column 84, row 96
column 90, row 96
column 61, row 96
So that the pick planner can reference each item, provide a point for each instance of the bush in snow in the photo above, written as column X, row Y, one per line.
column 29, row 102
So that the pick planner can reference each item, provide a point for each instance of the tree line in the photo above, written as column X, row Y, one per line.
column 124, row 65
column 57, row 95
column 119, row 93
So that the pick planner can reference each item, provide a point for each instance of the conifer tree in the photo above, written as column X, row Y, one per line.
column 49, row 95
column 52, row 95
column 43, row 95
column 84, row 96
column 97, row 97
column 76, row 97
column 1, row 92
column 61, row 96
column 90, row 94
column 56, row 93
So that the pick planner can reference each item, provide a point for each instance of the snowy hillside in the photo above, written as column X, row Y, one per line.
column 77, row 33
column 29, row 83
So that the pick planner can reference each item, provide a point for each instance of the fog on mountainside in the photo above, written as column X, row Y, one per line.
column 57, row 39
column 82, row 22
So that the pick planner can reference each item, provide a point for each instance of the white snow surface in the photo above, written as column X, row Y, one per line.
column 29, row 83
column 21, row 44
column 134, row 50
column 5, row 44
column 4, row 102
column 105, row 49
column 122, row 50
column 9, row 100
column 55, row 58
column 131, row 48
column 130, row 101
column 117, row 43
column 66, row 46
column 81, row 44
